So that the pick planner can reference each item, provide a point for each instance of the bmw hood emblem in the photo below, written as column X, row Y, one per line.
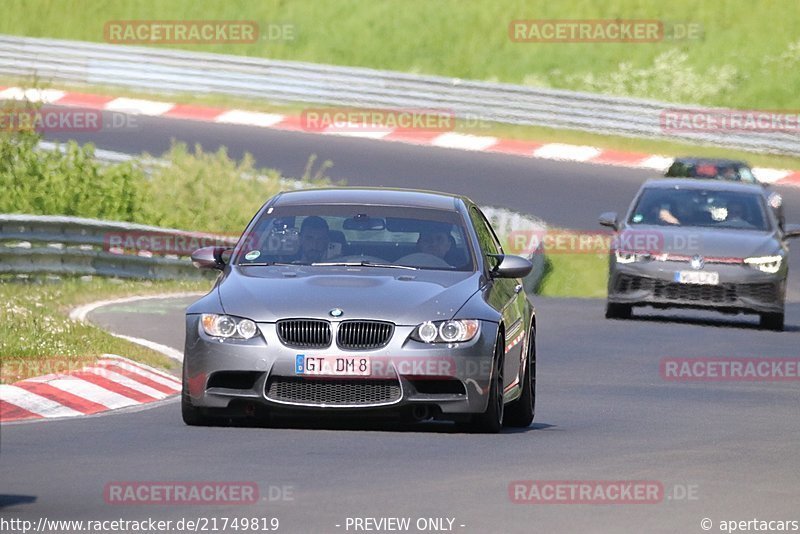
column 336, row 312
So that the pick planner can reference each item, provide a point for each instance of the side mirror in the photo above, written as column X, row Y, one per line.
column 791, row 230
column 211, row 257
column 510, row 266
column 609, row 219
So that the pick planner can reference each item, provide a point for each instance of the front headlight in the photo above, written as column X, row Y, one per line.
column 766, row 264
column 226, row 326
column 455, row 331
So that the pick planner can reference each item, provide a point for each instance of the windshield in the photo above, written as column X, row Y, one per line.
column 379, row 236
column 700, row 207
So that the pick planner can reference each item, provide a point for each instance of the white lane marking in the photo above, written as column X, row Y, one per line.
column 79, row 314
column 122, row 380
column 356, row 130
column 463, row 141
column 658, row 163
column 45, row 96
column 250, row 118
column 89, row 391
column 770, row 176
column 136, row 106
column 35, row 403
column 160, row 378
column 564, row 152
column 169, row 352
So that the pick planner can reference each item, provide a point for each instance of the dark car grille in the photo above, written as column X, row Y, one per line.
column 722, row 293
column 362, row 335
column 767, row 292
column 675, row 291
column 333, row 392
column 305, row 333
column 627, row 284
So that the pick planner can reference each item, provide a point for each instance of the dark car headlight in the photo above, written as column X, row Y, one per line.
column 453, row 331
column 227, row 326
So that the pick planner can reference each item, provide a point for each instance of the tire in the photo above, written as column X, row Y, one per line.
column 491, row 421
column 618, row 311
column 520, row 413
column 771, row 321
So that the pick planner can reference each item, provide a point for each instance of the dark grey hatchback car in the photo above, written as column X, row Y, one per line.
column 699, row 244
column 342, row 300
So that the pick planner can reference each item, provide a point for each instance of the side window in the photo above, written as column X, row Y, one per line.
column 486, row 238
column 679, row 170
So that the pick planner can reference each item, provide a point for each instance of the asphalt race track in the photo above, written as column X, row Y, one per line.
column 721, row 450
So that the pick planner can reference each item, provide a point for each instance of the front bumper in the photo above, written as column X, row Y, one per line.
column 740, row 289
column 453, row 379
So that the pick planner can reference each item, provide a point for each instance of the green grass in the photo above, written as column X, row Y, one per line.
column 748, row 56
column 575, row 275
column 571, row 269
column 37, row 335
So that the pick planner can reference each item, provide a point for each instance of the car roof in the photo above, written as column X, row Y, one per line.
column 697, row 183
column 691, row 160
column 412, row 198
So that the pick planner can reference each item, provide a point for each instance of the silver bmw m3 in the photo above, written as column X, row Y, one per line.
column 340, row 300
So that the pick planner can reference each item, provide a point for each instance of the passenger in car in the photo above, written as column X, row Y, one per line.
column 435, row 241
column 737, row 215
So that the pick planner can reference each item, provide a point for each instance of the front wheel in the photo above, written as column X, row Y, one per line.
column 771, row 321
column 618, row 311
column 520, row 413
column 491, row 421
column 192, row 415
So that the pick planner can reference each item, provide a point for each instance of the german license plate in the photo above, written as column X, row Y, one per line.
column 709, row 278
column 332, row 365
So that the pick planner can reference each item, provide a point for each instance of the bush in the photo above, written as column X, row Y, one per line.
column 71, row 182
column 198, row 191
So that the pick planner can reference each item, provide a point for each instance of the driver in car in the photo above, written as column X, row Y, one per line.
column 314, row 240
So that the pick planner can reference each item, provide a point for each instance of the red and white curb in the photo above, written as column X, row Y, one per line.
column 112, row 382
column 453, row 140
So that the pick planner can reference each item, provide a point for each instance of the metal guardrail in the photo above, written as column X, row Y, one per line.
column 157, row 69
column 42, row 245
column 75, row 246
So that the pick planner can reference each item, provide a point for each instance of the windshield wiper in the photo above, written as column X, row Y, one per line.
column 267, row 263
column 363, row 264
